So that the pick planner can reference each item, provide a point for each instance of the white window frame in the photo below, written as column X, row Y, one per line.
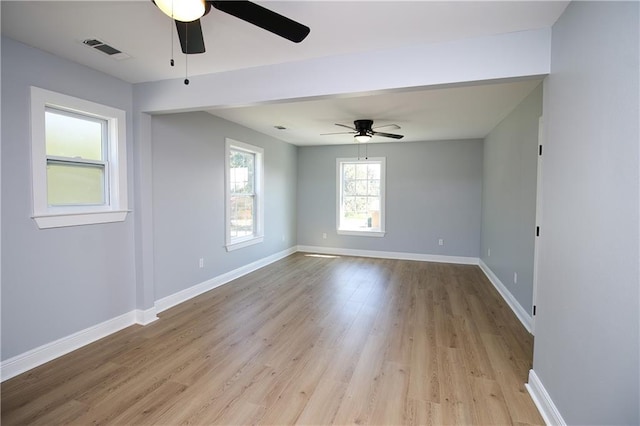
column 340, row 186
column 258, row 234
column 115, row 208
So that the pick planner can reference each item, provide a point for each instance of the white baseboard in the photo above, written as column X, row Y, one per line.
column 541, row 398
column 516, row 307
column 47, row 352
column 389, row 255
column 191, row 292
column 146, row 317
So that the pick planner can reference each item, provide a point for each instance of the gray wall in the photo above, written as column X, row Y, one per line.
column 188, row 199
column 433, row 191
column 55, row 282
column 509, row 197
column 586, row 349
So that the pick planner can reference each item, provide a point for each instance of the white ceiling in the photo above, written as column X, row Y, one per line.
column 436, row 114
column 140, row 30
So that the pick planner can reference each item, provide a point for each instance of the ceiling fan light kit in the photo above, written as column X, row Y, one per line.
column 362, row 136
column 182, row 10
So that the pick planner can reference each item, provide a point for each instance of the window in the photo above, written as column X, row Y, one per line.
column 361, row 196
column 244, row 201
column 78, row 161
column 76, row 166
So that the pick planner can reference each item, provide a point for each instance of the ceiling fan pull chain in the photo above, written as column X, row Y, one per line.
column 171, row 62
column 186, row 58
column 186, row 69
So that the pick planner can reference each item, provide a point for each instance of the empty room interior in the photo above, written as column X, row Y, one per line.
column 308, row 212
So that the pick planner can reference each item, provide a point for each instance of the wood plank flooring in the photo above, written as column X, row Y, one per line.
column 306, row 340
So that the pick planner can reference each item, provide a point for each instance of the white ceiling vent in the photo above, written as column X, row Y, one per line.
column 103, row 47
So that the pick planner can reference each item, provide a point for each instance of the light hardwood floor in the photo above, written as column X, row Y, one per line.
column 307, row 340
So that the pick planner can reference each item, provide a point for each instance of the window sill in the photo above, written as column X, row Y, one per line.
column 244, row 243
column 379, row 234
column 59, row 220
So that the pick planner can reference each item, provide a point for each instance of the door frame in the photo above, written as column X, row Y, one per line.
column 537, row 230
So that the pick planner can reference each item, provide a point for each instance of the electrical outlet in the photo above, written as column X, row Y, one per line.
column 324, row 235
column 515, row 277
column 440, row 242
column 201, row 262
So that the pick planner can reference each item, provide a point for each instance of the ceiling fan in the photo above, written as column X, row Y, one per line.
column 364, row 130
column 187, row 14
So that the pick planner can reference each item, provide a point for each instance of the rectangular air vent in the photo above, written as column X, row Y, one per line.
column 103, row 47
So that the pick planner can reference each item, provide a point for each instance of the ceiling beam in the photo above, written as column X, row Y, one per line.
column 482, row 59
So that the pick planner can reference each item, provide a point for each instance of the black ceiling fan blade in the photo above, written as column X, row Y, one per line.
column 338, row 133
column 190, row 35
column 392, row 126
column 346, row 127
column 264, row 18
column 388, row 135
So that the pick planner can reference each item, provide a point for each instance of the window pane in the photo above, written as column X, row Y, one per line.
column 373, row 188
column 361, row 206
column 74, row 184
column 373, row 171
column 361, row 171
column 349, row 171
column 242, row 171
column 242, row 215
column 350, row 187
column 373, row 204
column 354, row 217
column 349, row 205
column 361, row 187
column 73, row 136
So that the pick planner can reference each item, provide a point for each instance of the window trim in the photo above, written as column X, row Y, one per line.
column 371, row 160
column 116, row 209
column 258, row 235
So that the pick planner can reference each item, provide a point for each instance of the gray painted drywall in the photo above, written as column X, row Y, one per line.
column 143, row 212
column 433, row 191
column 55, row 282
column 509, row 198
column 188, row 199
column 587, row 337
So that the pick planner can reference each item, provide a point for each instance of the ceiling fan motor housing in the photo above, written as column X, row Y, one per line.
column 363, row 125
